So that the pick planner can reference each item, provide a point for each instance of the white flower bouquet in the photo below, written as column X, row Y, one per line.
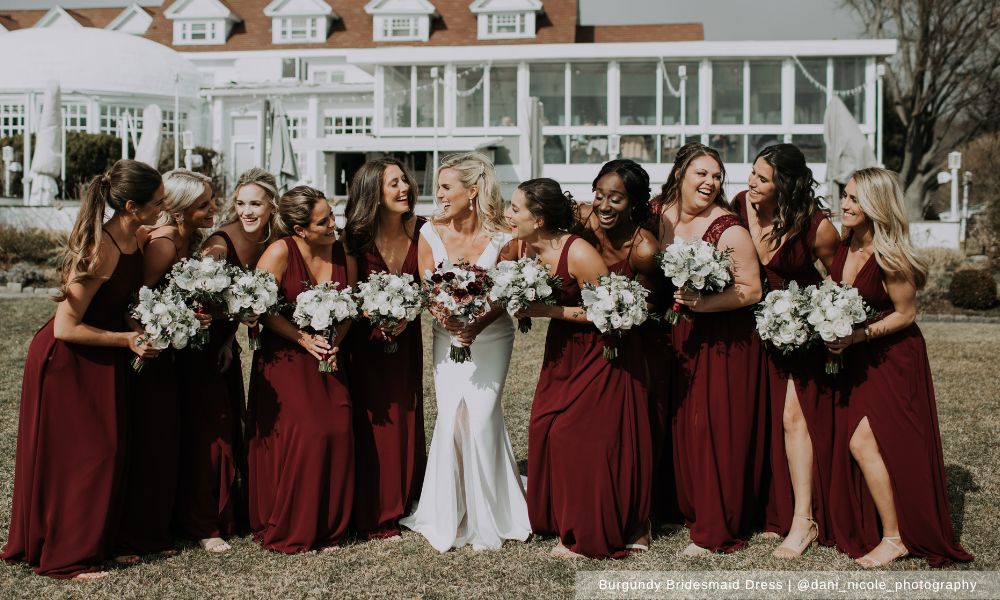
column 166, row 320
column 833, row 311
column 615, row 305
column 695, row 265
column 252, row 292
column 323, row 307
column 517, row 283
column 201, row 282
column 386, row 300
column 458, row 292
column 781, row 319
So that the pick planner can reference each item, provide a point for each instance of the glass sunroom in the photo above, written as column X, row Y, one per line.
column 630, row 100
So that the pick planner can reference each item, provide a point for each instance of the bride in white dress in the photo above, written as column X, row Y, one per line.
column 472, row 492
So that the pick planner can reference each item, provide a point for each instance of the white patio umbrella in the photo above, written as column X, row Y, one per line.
column 281, row 161
column 46, row 162
column 847, row 149
column 535, row 140
column 148, row 150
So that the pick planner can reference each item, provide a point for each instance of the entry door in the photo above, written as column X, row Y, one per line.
column 345, row 165
column 244, row 157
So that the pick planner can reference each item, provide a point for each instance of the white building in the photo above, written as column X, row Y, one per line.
column 358, row 79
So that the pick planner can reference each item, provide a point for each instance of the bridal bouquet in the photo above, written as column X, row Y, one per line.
column 517, row 283
column 252, row 292
column 458, row 292
column 201, row 282
column 833, row 310
column 322, row 308
column 781, row 319
column 614, row 306
column 695, row 265
column 167, row 322
column 387, row 300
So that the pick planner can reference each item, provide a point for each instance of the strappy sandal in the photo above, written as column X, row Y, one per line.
column 871, row 563
column 636, row 548
column 788, row 551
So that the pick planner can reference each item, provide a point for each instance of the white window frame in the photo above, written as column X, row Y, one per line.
column 390, row 28
column 298, row 125
column 11, row 119
column 488, row 25
column 299, row 29
column 214, row 32
column 75, row 116
column 337, row 123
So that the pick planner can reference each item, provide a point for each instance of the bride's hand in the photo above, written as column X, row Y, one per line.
column 468, row 334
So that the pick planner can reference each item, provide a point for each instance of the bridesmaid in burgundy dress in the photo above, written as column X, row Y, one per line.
column 791, row 232
column 71, row 441
column 618, row 223
column 153, row 457
column 381, row 232
column 719, row 383
column 589, row 442
column 211, row 494
column 300, row 438
column 889, row 496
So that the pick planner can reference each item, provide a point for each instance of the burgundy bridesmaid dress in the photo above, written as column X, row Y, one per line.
column 210, row 498
column 70, row 460
column 794, row 261
column 388, row 395
column 719, row 392
column 888, row 380
column 589, row 446
column 153, row 456
column 300, row 438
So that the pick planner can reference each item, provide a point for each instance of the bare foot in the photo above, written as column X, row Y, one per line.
column 888, row 550
column 771, row 535
column 216, row 545
column 91, row 575
column 802, row 534
column 127, row 559
column 561, row 551
column 694, row 550
column 167, row 553
column 394, row 538
column 329, row 549
column 641, row 543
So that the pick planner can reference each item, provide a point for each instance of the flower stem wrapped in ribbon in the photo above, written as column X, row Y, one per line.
column 388, row 299
column 517, row 283
column 253, row 292
column 695, row 265
column 833, row 311
column 167, row 321
column 458, row 292
column 615, row 305
column 322, row 308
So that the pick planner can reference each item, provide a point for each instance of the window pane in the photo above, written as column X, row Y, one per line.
column 765, row 93
column 638, row 93
column 730, row 147
column 425, row 98
column 508, row 151
column 672, row 103
column 589, row 83
column 640, row 148
column 761, row 141
column 669, row 145
column 397, row 97
column 588, row 149
column 469, row 102
column 548, row 85
column 554, row 151
column 810, row 101
column 849, row 73
column 727, row 93
column 503, row 96
column 812, row 146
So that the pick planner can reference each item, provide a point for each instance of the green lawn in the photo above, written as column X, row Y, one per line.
column 962, row 357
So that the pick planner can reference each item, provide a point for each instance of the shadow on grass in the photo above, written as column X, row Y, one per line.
column 960, row 483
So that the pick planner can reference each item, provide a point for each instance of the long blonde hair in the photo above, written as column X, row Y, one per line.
column 126, row 180
column 475, row 169
column 181, row 189
column 881, row 199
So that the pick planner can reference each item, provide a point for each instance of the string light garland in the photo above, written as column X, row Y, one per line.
column 842, row 93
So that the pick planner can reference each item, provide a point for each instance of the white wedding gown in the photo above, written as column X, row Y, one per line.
column 472, row 492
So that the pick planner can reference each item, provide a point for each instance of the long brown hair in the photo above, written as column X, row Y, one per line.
column 126, row 180
column 797, row 201
column 364, row 199
column 255, row 176
column 671, row 190
column 295, row 208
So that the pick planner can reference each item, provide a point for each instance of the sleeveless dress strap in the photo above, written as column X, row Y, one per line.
column 112, row 238
column 718, row 226
column 492, row 252
column 231, row 254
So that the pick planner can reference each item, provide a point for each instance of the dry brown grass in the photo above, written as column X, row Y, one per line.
column 965, row 375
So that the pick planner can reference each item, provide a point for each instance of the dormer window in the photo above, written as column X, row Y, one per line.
column 201, row 22
column 401, row 20
column 299, row 21
column 506, row 19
